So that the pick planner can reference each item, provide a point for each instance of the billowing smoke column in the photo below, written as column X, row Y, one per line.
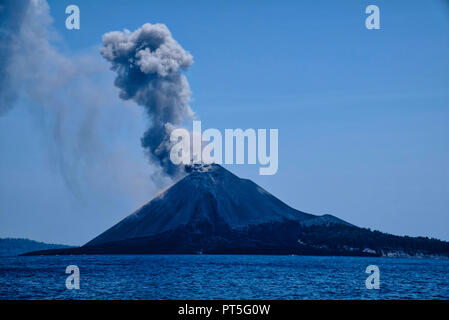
column 148, row 63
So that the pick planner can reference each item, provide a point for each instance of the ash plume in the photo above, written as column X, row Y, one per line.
column 69, row 99
column 35, row 73
column 12, row 14
column 148, row 63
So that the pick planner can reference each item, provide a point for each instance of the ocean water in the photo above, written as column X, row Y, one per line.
column 221, row 277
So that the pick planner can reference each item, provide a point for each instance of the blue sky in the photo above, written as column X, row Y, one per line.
column 362, row 114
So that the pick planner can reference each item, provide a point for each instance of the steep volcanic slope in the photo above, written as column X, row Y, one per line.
column 210, row 195
column 213, row 211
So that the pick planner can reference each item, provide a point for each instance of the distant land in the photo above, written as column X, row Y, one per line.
column 17, row 246
column 212, row 211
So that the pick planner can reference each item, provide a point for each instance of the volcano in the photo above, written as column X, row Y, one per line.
column 213, row 211
column 210, row 200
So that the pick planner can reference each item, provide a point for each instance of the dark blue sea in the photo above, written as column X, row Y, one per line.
column 222, row 277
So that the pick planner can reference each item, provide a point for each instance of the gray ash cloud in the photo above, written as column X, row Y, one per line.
column 149, row 64
column 12, row 15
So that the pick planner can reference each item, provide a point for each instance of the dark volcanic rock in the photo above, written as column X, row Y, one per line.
column 213, row 211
